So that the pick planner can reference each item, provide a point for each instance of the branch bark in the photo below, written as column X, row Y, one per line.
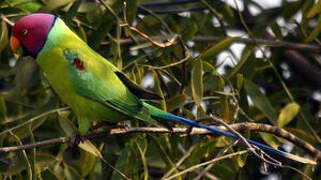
column 214, row 39
column 308, row 71
column 240, row 127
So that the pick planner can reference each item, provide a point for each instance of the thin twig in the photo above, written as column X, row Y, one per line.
column 34, row 118
column 5, row 19
column 221, row 153
column 218, row 16
column 255, row 150
column 186, row 155
column 168, row 43
column 207, row 162
column 115, row 169
column 170, row 65
column 186, row 54
column 251, row 147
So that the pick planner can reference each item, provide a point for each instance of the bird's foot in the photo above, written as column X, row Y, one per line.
column 190, row 128
column 166, row 125
column 76, row 138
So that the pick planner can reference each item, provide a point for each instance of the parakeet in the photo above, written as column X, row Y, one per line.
column 92, row 86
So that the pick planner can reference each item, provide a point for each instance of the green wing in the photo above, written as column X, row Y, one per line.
column 135, row 89
column 97, row 80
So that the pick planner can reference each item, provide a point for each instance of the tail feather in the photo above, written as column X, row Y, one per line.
column 161, row 114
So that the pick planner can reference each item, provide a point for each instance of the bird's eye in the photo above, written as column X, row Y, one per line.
column 25, row 32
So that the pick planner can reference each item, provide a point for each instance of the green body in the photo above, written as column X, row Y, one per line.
column 99, row 91
column 95, row 93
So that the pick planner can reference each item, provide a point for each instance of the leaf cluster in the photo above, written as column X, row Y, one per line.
column 232, row 81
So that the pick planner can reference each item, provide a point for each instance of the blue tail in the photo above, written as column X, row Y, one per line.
column 161, row 114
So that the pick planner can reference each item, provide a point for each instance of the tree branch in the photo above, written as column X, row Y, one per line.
column 214, row 39
column 145, row 36
column 252, row 148
column 169, row 3
column 240, row 127
column 303, row 66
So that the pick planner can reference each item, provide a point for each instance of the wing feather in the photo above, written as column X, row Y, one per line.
column 99, row 82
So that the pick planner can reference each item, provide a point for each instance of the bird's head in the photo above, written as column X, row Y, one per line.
column 31, row 32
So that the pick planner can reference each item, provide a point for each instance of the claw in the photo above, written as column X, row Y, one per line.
column 76, row 138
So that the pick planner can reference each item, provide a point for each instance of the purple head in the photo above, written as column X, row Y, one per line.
column 31, row 33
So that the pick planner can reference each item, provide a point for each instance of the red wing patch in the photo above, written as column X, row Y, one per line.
column 78, row 63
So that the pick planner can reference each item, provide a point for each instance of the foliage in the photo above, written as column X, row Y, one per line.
column 262, row 83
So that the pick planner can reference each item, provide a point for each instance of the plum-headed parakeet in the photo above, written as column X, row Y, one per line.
column 92, row 86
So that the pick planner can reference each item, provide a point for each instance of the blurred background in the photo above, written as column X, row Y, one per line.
column 242, row 61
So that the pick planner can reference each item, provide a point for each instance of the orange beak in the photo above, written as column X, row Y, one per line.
column 14, row 43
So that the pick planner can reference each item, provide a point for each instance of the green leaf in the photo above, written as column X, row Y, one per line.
column 28, row 6
column 163, row 152
column 17, row 168
column 55, row 4
column 100, row 34
column 316, row 31
column 260, row 101
column 3, row 36
column 131, row 10
column 241, row 160
column 228, row 13
column 188, row 114
column 197, row 81
column 86, row 163
column 72, row 12
column 97, row 172
column 91, row 148
column 24, row 132
column 208, row 67
column 245, row 56
column 159, row 90
column 316, row 9
column 288, row 113
column 68, row 128
column 45, row 160
column 71, row 173
column 217, row 48
column 66, row 125
column 190, row 30
column 271, row 140
column 142, row 153
column 222, row 171
column 291, row 9
column 3, row 109
column 307, row 5
column 276, row 29
column 200, row 111
column 81, row 33
column 239, row 81
column 175, row 102
column 25, row 158
column 304, row 25
column 121, row 164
